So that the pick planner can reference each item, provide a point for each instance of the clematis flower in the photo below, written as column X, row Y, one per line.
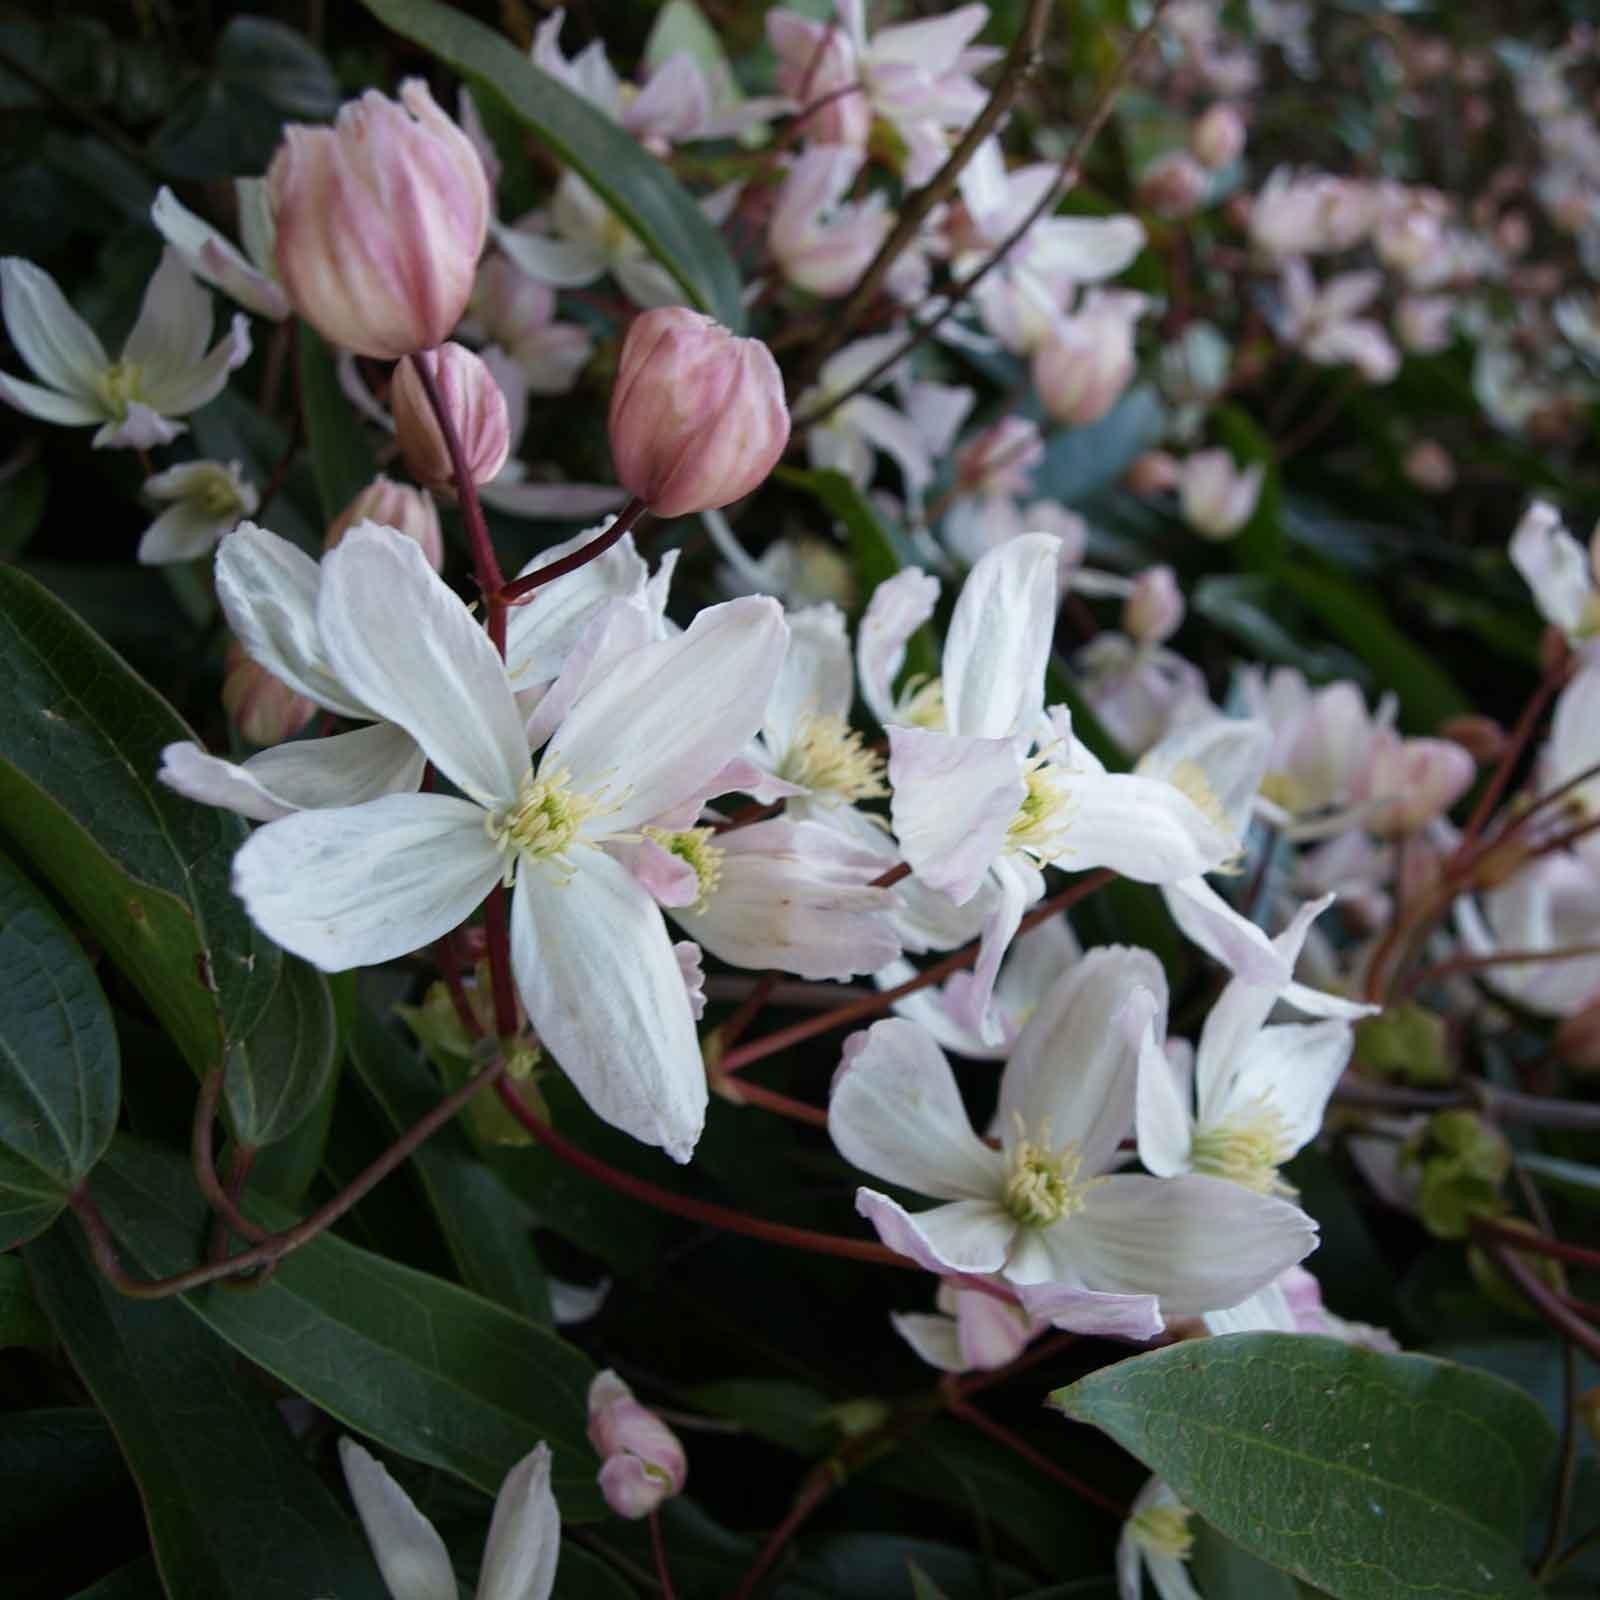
column 642, row 1462
column 164, row 370
column 515, row 312
column 1218, row 498
column 1156, row 1540
column 971, row 1331
column 821, row 243
column 977, row 799
column 1139, row 692
column 519, row 1556
column 1093, row 1252
column 1560, row 571
column 249, row 277
column 204, row 499
column 992, row 470
column 1322, row 323
column 593, row 962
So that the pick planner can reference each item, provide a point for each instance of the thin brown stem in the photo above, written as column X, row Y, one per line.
column 1516, row 743
column 203, row 1158
column 818, row 1486
column 658, row 1553
column 502, row 986
column 517, row 591
column 742, row 1092
column 1545, row 1300
column 1500, row 958
column 1539, row 1244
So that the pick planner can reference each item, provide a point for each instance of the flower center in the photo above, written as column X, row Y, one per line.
column 694, row 846
column 218, row 496
column 922, row 704
column 1163, row 1531
column 1188, row 778
column 1245, row 1149
column 1042, row 1184
column 1040, row 824
column 1284, row 789
column 118, row 387
column 544, row 821
column 830, row 758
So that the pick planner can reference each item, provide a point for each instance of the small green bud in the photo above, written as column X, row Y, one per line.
column 1499, row 1289
column 856, row 1418
column 1409, row 1042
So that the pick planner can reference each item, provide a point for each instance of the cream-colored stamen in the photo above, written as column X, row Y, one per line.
column 543, row 823
column 694, row 846
column 830, row 758
column 1246, row 1148
column 1040, row 825
column 118, row 387
column 1042, row 1184
column 1188, row 778
column 1163, row 1530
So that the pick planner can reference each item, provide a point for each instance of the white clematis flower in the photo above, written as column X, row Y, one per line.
column 519, row 1556
column 628, row 737
column 979, row 801
column 972, row 1330
column 1156, row 1540
column 204, row 499
column 248, row 277
column 1093, row 1252
column 1558, row 570
column 164, row 370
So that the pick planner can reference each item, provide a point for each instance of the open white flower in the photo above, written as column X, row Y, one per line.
column 629, row 735
column 164, row 370
column 519, row 1556
column 1095, row 1252
column 1002, row 791
column 1156, row 1539
column 204, row 499
column 972, row 1330
column 1559, row 571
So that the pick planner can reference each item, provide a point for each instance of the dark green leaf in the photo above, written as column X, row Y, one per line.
column 878, row 1566
column 80, row 741
column 1249, row 607
column 341, row 457
column 22, row 1324
column 1223, row 1571
column 427, row 1369
column 233, row 1509
column 279, row 65
column 1577, row 1179
column 581, row 1576
column 139, row 1580
column 488, row 1230
column 1080, row 462
column 1371, row 1476
column 59, row 1071
column 275, row 1078
column 22, row 498
column 787, row 1414
column 53, row 1461
column 642, row 192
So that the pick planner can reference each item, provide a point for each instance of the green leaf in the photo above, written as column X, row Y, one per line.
column 428, row 1369
column 581, row 1576
column 52, row 1461
column 275, row 1078
column 1083, row 461
column 278, row 64
column 221, row 1479
column 1371, row 1476
column 81, row 736
column 1427, row 696
column 59, row 1068
column 341, row 455
column 637, row 187
column 488, row 1230
column 22, row 1324
column 1249, row 607
column 139, row 1580
column 1258, row 545
column 22, row 498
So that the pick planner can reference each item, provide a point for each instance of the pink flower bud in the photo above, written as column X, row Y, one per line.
column 1001, row 459
column 697, row 416
column 1412, row 781
column 1430, row 467
column 1081, row 370
column 641, row 1460
column 380, row 222
column 1173, row 185
column 1217, row 138
column 264, row 709
column 398, row 506
column 1217, row 498
column 1153, row 472
column 1153, row 612
column 473, row 401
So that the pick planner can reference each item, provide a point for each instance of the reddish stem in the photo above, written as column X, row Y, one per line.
column 659, row 1551
column 518, row 590
column 498, row 937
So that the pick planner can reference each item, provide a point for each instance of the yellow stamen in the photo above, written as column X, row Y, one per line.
column 1245, row 1148
column 1040, row 825
column 543, row 823
column 694, row 846
column 1163, row 1530
column 1042, row 1184
column 1188, row 778
column 118, row 387
column 830, row 758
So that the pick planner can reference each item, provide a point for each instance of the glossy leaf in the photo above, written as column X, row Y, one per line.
column 1371, row 1476
column 1083, row 461
column 275, row 1078
column 221, row 1479
column 428, row 1369
column 80, row 740
column 59, row 1069
column 341, row 455
column 637, row 187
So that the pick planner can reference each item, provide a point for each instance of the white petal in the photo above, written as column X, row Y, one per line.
column 524, row 1543
column 899, row 439
column 403, row 642
column 1164, row 1118
column 364, row 884
column 1205, row 919
column 612, row 631
column 1093, row 1311
column 141, row 427
column 597, row 973
column 1199, row 1244
column 964, row 1236
column 178, row 393
column 174, row 323
column 1087, row 249
column 213, row 259
column 268, row 590
column 933, row 1337
column 1321, row 1003
column 1266, row 1311
column 562, row 263
column 816, row 679
column 183, row 532
column 895, row 1111
column 673, row 714
column 214, row 782
column 898, row 607
column 993, row 1332
column 953, row 799
column 1552, row 563
column 409, row 1552
column 58, row 345
column 1231, row 753
column 1019, row 885
column 1294, row 1066
column 1075, row 1063
column 35, row 401
column 1144, row 828
column 999, row 640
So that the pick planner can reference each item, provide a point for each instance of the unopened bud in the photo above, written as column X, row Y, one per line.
column 263, row 708
column 1481, row 737
column 1412, row 781
column 1578, row 1039
column 394, row 505
column 1217, row 498
column 641, row 1461
column 1217, row 137
column 1082, row 368
column 1000, row 459
column 1499, row 1288
column 1153, row 472
column 1173, row 185
column 1408, row 1042
column 380, row 221
column 697, row 416
column 474, row 403
column 1153, row 611
column 1430, row 467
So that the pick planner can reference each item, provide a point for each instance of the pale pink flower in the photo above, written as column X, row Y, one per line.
column 395, row 505
column 1082, row 368
column 472, row 400
column 821, row 243
column 641, row 1461
column 1217, row 497
column 971, row 1331
column 517, row 313
column 1322, row 322
column 1217, row 136
column 1559, row 571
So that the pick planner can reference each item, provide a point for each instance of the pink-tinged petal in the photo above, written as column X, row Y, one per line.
column 816, row 679
column 409, row 1552
column 897, row 436
column 895, row 1111
column 691, row 967
column 1087, row 249
column 524, row 1543
column 964, row 1236
column 174, row 321
column 613, row 630
column 1019, row 885
column 214, row 260
column 999, row 640
column 365, row 884
column 140, row 427
column 953, row 799
column 932, row 45
column 993, row 1332
column 268, row 591
column 59, row 347
column 1205, row 919
column 1164, row 1117
column 630, row 1488
column 32, row 400
column 709, row 687
column 1144, row 828
column 1093, row 1312
column 1320, row 1003
column 1075, row 1064
column 670, row 879
column 898, row 607
column 1293, row 1067
column 596, row 970
column 404, row 643
column 933, row 1336
column 1198, row 1244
